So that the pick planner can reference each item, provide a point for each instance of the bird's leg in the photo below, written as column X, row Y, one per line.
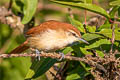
column 37, row 54
column 62, row 56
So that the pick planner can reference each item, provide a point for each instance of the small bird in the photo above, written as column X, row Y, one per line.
column 49, row 37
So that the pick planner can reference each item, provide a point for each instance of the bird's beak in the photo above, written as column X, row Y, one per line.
column 83, row 40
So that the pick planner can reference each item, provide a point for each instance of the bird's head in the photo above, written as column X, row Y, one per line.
column 74, row 36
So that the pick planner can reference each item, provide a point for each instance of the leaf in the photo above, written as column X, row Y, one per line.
column 115, row 3
column 100, row 53
column 85, row 52
column 98, row 43
column 113, row 11
column 119, row 12
column 17, row 5
column 79, row 72
column 73, row 77
column 108, row 33
column 29, row 10
column 88, row 1
column 89, row 7
column 87, row 68
column 89, row 36
column 91, row 28
column 104, row 26
column 77, row 24
column 75, row 1
column 107, row 26
column 67, row 50
column 40, row 67
column 80, row 51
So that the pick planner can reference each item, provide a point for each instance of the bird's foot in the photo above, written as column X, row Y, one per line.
column 37, row 54
column 62, row 56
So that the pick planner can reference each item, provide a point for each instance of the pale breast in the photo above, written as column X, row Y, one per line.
column 50, row 40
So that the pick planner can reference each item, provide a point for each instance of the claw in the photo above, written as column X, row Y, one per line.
column 37, row 54
column 62, row 56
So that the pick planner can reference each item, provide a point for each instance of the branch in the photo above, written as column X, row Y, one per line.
column 51, row 55
column 113, row 38
column 70, row 12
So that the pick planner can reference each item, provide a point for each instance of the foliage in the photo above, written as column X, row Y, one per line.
column 99, row 39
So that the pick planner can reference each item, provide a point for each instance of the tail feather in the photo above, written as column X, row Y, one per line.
column 20, row 48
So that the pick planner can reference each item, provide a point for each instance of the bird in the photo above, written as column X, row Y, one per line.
column 50, row 36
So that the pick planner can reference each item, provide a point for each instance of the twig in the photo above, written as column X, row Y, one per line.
column 70, row 12
column 10, row 4
column 113, row 38
column 51, row 55
column 85, row 29
column 85, row 17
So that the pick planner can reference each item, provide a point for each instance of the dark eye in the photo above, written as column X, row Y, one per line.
column 73, row 34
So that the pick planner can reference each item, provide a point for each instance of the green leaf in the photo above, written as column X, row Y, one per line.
column 17, row 5
column 89, row 7
column 91, row 28
column 29, row 10
column 87, row 68
column 115, row 3
column 119, row 12
column 108, row 33
column 40, row 67
column 107, row 26
column 77, row 24
column 75, row 1
column 89, row 36
column 113, row 11
column 104, row 26
column 73, row 77
column 80, row 51
column 99, row 53
column 85, row 52
column 88, row 1
column 79, row 72
column 98, row 43
column 67, row 50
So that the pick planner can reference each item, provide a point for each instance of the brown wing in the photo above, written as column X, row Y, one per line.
column 38, row 29
column 51, row 24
